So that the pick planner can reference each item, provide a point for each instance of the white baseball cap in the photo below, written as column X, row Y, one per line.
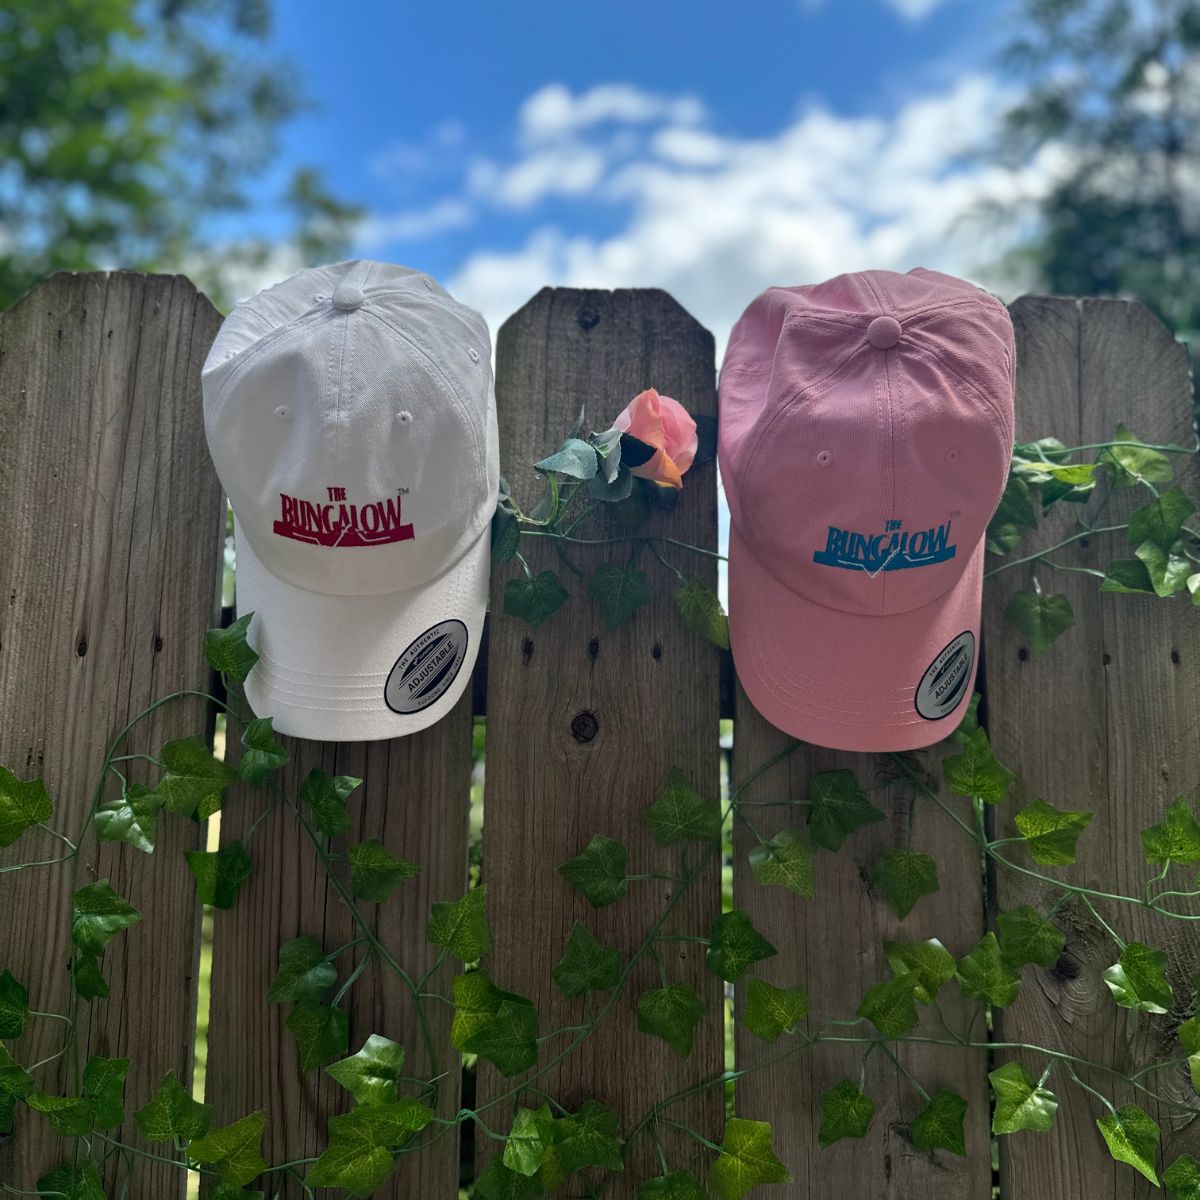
column 351, row 416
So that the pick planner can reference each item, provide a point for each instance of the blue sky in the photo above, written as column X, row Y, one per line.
column 711, row 148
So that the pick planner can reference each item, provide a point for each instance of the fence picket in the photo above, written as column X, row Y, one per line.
column 583, row 723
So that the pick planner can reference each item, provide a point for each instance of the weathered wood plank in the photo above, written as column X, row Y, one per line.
column 832, row 945
column 584, row 724
column 1106, row 719
column 110, row 535
column 415, row 798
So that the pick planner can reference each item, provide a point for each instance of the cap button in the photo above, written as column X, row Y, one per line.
column 883, row 332
column 347, row 298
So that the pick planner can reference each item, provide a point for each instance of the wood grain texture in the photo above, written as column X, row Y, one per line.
column 415, row 798
column 1107, row 719
column 832, row 945
column 651, row 688
column 110, row 536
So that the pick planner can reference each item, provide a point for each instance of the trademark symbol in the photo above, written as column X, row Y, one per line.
column 404, row 492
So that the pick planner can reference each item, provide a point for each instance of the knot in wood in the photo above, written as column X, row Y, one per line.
column 584, row 726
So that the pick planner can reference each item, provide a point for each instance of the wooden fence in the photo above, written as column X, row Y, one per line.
column 111, row 528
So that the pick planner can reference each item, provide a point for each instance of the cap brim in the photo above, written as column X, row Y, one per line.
column 330, row 666
column 845, row 680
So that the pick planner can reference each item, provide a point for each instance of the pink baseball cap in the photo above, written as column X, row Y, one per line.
column 866, row 429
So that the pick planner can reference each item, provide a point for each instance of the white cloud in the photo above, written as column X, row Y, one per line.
column 553, row 111
column 915, row 10
column 714, row 218
column 414, row 225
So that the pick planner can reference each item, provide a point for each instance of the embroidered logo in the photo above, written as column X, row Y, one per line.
column 893, row 550
column 336, row 522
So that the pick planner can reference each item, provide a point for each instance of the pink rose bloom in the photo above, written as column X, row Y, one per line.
column 664, row 424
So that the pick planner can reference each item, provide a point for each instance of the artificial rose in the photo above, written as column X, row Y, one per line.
column 665, row 425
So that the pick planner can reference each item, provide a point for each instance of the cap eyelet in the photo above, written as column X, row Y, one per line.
column 473, row 354
column 283, row 411
column 824, row 457
column 404, row 416
column 319, row 297
column 952, row 454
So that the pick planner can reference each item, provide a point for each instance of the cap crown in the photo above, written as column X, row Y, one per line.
column 350, row 413
column 865, row 434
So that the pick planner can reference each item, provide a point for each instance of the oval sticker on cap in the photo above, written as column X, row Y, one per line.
column 946, row 680
column 427, row 668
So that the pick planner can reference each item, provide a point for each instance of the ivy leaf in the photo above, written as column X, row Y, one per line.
column 326, row 798
column 370, row 1075
column 1167, row 567
column 746, row 1160
column 772, row 1010
column 132, row 819
column 1127, row 575
column 699, row 608
column 103, row 1082
column 976, row 771
column 599, row 871
column 786, row 860
column 525, row 1147
column 619, row 591
column 680, row 814
column 15, row 1084
column 98, row 914
column 223, row 1191
column 671, row 1013
column 321, row 1033
column 837, row 806
column 677, row 1185
column 575, row 458
column 734, row 946
column 304, row 973
column 1020, row 1103
column 985, row 975
column 361, row 1142
column 845, row 1113
column 1138, row 979
column 1131, row 459
column 929, row 964
column 1051, row 833
column 1182, row 1178
column 1028, row 937
column 194, row 781
column 1132, row 1137
column 172, row 1114
column 891, row 1006
column 375, row 872
column 506, row 534
column 535, row 599
column 14, row 1005
column 939, row 1125
column 507, row 1036
column 498, row 1182
column 219, row 874
column 461, row 925
column 904, row 876
column 1014, row 513
column 262, row 754
column 72, row 1116
column 1040, row 617
column 1161, row 520
column 477, row 1001
column 1193, row 586
column 587, row 965
column 89, row 982
column 1176, row 838
column 22, row 805
column 588, row 1138
column 74, row 1181
column 228, row 652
